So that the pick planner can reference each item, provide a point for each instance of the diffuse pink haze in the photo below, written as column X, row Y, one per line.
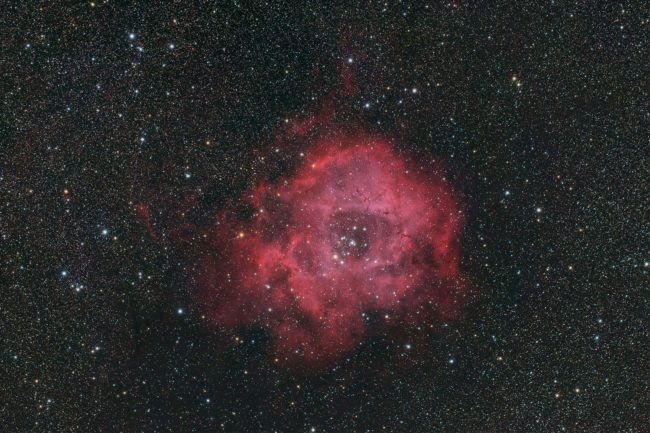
column 355, row 229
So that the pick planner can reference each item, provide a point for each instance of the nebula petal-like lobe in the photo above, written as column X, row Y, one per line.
column 356, row 230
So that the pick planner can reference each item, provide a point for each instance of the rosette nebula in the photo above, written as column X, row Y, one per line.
column 355, row 232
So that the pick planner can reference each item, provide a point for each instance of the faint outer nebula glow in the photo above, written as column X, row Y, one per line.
column 357, row 231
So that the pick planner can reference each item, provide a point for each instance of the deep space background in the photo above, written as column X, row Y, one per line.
column 540, row 111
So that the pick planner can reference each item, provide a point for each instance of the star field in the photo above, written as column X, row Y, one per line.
column 127, row 130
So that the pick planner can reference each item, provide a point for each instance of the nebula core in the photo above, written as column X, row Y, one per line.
column 356, row 230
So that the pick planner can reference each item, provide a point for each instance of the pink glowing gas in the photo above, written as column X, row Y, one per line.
column 355, row 230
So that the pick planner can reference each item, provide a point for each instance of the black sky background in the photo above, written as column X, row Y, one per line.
column 539, row 110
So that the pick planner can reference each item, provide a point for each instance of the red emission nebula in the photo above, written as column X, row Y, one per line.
column 355, row 232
